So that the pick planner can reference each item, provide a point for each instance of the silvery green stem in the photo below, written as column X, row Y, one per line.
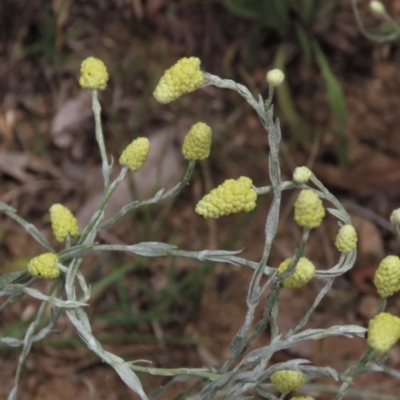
column 200, row 372
column 31, row 229
column 271, row 309
column 106, row 168
column 87, row 236
column 268, row 102
column 321, row 295
column 274, row 137
column 254, row 292
column 352, row 372
column 324, row 193
column 297, row 254
column 382, row 304
column 27, row 343
column 375, row 38
column 160, row 195
column 123, row 369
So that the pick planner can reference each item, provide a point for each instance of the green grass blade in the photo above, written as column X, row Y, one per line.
column 298, row 125
column 337, row 104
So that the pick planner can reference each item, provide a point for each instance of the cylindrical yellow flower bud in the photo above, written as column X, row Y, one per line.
column 275, row 77
column 231, row 197
column 44, row 266
column 182, row 78
column 395, row 217
column 383, row 332
column 63, row 223
column 308, row 209
column 288, row 380
column 302, row 174
column 377, row 7
column 303, row 272
column 346, row 239
column 387, row 276
column 197, row 143
column 94, row 74
column 135, row 154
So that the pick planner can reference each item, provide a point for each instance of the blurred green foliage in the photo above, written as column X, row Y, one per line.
column 43, row 38
column 298, row 23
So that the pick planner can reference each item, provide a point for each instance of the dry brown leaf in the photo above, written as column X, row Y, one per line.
column 68, row 117
column 153, row 6
column 370, row 243
column 15, row 165
column 7, row 122
column 138, row 9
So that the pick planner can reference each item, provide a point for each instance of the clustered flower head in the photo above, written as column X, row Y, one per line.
column 94, row 74
column 387, row 276
column 182, row 78
column 63, row 223
column 308, row 209
column 287, row 380
column 346, row 239
column 230, row 197
column 304, row 271
column 302, row 174
column 44, row 266
column 197, row 143
column 377, row 7
column 275, row 77
column 383, row 332
column 135, row 154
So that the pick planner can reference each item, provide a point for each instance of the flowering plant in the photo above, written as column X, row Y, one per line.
column 243, row 373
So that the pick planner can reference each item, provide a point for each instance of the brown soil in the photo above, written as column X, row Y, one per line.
column 48, row 155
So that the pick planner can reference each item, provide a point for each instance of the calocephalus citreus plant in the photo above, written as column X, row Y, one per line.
column 244, row 373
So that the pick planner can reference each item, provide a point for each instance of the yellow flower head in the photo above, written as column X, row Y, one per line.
column 302, row 174
column 303, row 272
column 387, row 276
column 94, row 74
column 182, row 78
column 63, row 223
column 231, row 197
column 287, row 380
column 303, row 398
column 197, row 143
column 135, row 155
column 346, row 239
column 44, row 266
column 308, row 209
column 383, row 332
column 275, row 77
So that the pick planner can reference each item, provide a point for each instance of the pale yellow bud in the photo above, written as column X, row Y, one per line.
column 275, row 77
column 377, row 7
column 302, row 174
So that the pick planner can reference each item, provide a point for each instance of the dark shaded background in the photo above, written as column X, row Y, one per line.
column 178, row 312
